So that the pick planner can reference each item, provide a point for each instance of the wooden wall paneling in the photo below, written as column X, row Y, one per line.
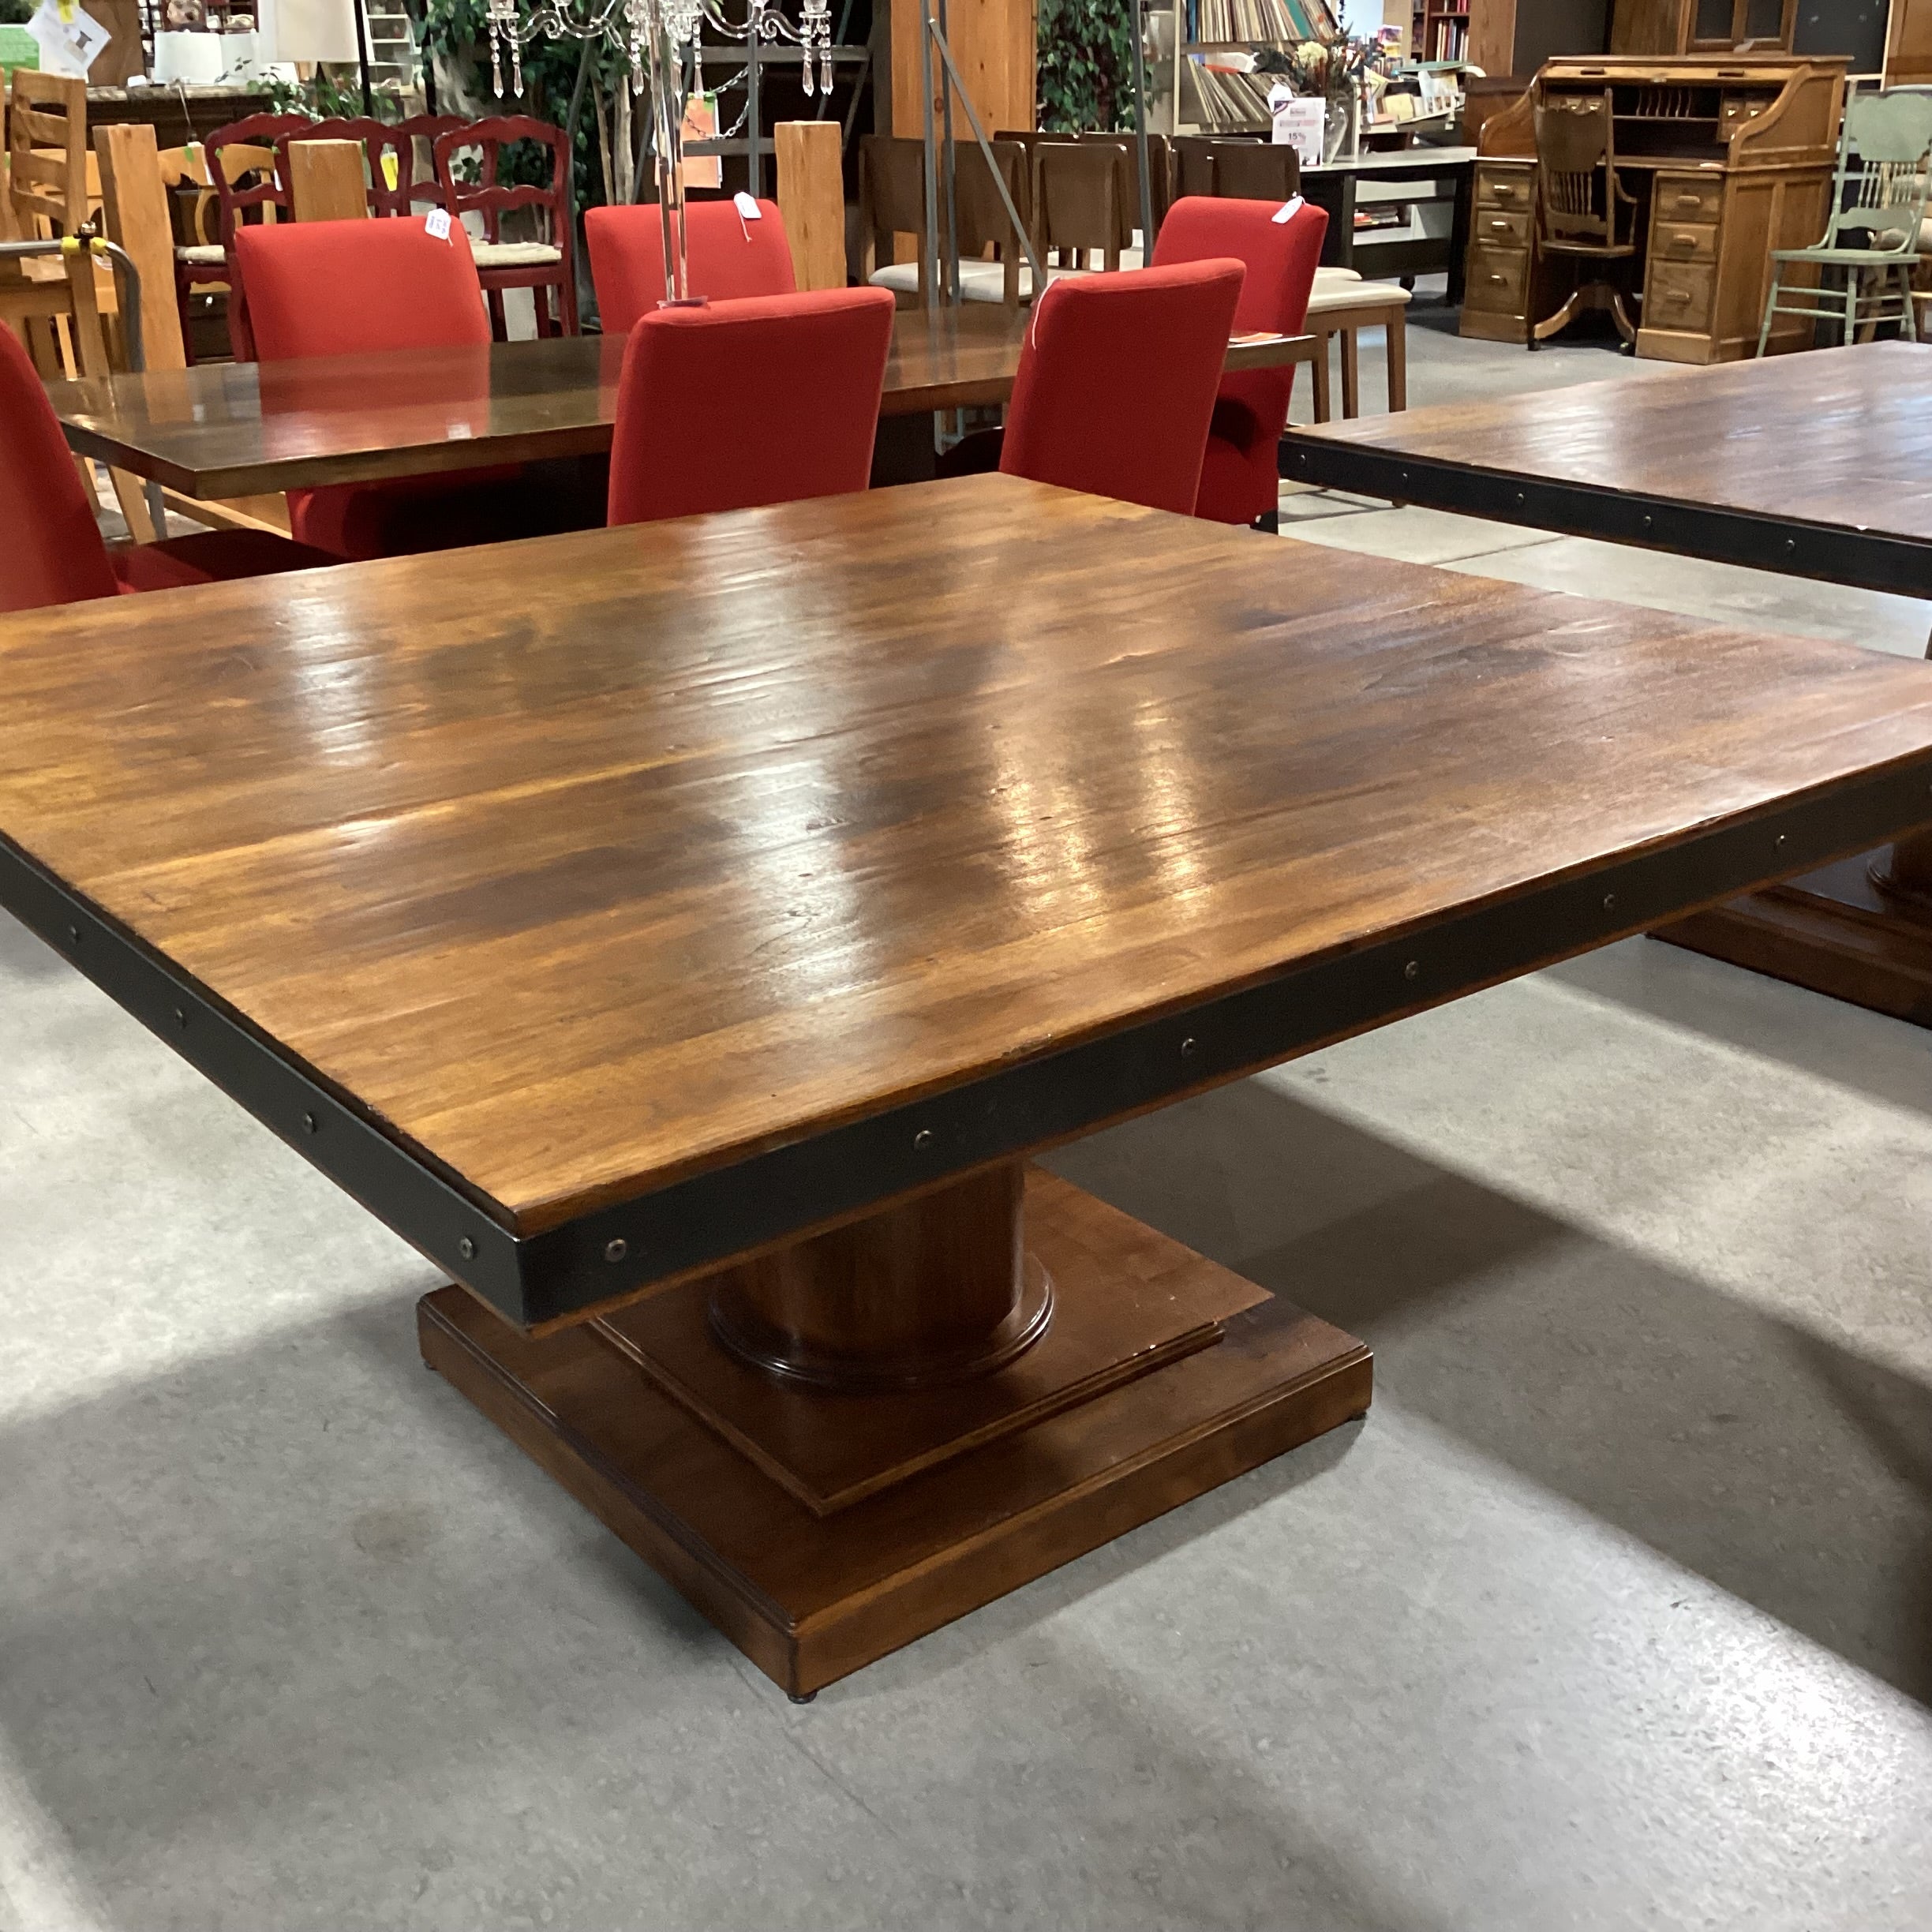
column 1493, row 35
column 812, row 197
column 1908, row 44
column 993, row 43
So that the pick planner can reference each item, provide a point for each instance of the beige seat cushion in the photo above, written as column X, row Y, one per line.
column 514, row 254
column 1340, row 295
column 979, row 281
column 202, row 255
column 1327, row 278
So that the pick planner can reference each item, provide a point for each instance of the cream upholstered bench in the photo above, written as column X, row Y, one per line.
column 1342, row 304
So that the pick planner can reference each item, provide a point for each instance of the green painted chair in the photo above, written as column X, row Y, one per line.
column 1879, row 194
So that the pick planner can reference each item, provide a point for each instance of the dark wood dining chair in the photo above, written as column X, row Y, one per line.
column 992, row 256
column 545, row 265
column 1080, row 202
column 892, row 202
column 1254, row 170
column 1584, row 214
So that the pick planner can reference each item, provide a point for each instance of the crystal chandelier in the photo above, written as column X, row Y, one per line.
column 654, row 36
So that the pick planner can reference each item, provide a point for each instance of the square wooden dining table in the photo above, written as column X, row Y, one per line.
column 241, row 429
column 686, row 934
column 1818, row 465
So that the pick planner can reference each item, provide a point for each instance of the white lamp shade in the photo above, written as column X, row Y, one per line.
column 306, row 30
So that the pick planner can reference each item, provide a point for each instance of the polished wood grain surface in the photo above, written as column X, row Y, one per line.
column 591, row 863
column 1835, row 436
column 242, row 429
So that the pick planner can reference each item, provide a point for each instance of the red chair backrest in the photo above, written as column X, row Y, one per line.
column 1117, row 382
column 1280, row 258
column 759, row 400
column 729, row 257
column 355, row 287
column 53, row 553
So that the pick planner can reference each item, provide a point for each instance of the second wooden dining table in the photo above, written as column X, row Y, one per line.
column 239, row 430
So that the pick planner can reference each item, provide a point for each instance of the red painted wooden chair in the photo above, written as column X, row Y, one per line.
column 53, row 553
column 729, row 257
column 249, row 188
column 396, row 139
column 543, row 266
column 1240, row 476
column 1117, row 382
column 359, row 288
column 762, row 400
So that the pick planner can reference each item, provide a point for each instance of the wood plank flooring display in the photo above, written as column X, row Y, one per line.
column 685, row 936
column 1818, row 465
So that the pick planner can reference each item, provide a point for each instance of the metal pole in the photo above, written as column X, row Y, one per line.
column 754, row 153
column 929, row 31
column 985, row 148
column 362, row 60
column 1140, row 136
column 666, row 68
column 952, row 185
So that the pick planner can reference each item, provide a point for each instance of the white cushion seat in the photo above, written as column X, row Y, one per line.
column 202, row 255
column 1335, row 296
column 514, row 254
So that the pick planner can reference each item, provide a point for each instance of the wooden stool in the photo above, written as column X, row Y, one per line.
column 1342, row 304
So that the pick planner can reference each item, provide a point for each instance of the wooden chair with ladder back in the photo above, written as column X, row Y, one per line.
column 1584, row 214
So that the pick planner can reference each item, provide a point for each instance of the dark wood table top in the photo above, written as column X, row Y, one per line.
column 813, row 854
column 1818, row 464
column 243, row 428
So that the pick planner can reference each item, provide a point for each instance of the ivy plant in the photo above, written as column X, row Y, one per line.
column 1086, row 65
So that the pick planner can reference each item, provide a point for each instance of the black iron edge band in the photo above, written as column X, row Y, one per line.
column 1868, row 559
column 358, row 1156
column 1057, row 1096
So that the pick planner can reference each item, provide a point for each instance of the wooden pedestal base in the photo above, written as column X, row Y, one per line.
column 820, row 1531
column 1834, row 930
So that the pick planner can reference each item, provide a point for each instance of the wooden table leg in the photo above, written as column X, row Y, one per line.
column 1324, row 399
column 838, row 1447
column 1351, row 372
column 1398, row 337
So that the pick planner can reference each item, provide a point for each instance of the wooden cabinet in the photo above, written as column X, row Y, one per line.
column 1702, row 26
column 1728, row 159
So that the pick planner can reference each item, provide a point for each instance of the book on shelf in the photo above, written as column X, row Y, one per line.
column 1258, row 20
column 1221, row 100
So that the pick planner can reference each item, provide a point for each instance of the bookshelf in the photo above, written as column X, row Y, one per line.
column 1441, row 31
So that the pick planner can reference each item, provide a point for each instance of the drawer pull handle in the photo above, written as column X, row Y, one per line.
column 1689, row 201
column 1686, row 242
column 1678, row 295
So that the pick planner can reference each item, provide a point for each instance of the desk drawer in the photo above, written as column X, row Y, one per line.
column 1513, row 190
column 1502, row 229
column 1679, row 296
column 1684, row 241
column 1497, row 278
column 1682, row 198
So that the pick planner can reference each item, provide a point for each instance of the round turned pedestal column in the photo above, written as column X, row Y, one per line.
column 1902, row 872
column 937, row 1290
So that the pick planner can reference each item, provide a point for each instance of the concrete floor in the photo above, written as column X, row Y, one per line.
column 1616, row 1612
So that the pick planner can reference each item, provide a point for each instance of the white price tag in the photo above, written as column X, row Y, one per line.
column 436, row 223
column 1288, row 210
column 747, row 205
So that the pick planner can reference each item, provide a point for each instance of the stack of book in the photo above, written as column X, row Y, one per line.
column 1216, row 97
column 1261, row 21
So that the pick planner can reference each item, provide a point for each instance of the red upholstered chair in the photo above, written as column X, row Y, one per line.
column 759, row 400
column 360, row 287
column 53, row 553
column 1117, row 382
column 1241, row 480
column 729, row 257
